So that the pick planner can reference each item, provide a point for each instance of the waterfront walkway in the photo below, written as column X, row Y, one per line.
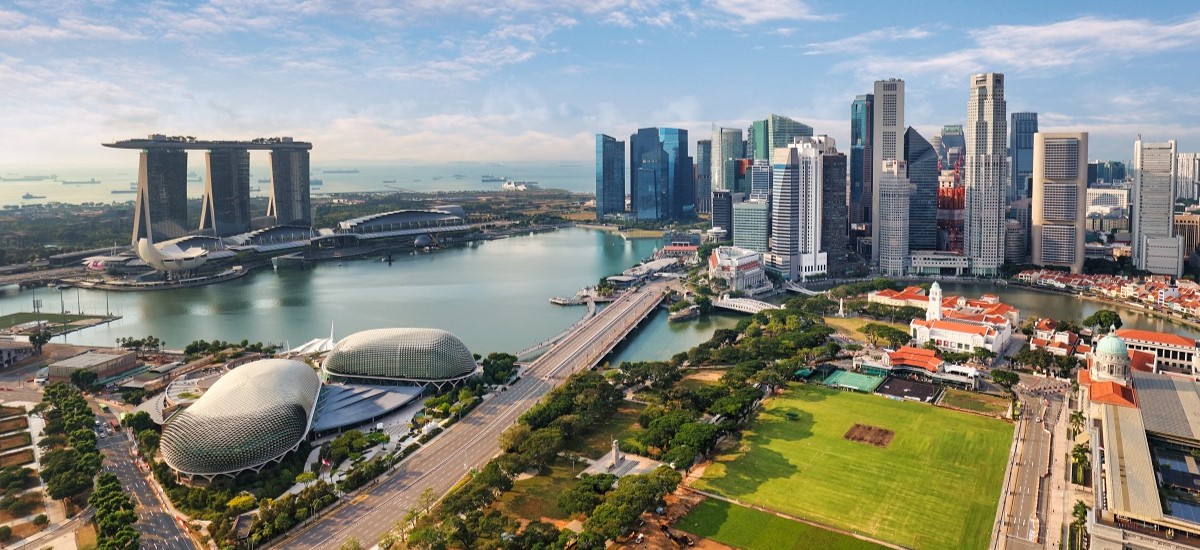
column 441, row 463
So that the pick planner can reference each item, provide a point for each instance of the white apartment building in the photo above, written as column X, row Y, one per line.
column 1154, row 172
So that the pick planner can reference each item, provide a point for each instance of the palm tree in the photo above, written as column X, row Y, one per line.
column 1082, row 457
column 1079, row 512
column 1076, row 420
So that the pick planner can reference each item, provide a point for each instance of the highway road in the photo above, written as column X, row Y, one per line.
column 158, row 528
column 474, row 440
column 1025, row 521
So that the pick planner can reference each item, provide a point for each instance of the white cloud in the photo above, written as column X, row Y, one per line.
column 760, row 11
column 863, row 42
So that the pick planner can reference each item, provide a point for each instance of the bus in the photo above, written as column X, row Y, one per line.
column 104, row 407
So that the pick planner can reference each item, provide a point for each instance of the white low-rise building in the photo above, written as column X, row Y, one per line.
column 961, row 329
column 740, row 268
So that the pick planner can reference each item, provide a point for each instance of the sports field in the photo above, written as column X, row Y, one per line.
column 935, row 485
column 751, row 529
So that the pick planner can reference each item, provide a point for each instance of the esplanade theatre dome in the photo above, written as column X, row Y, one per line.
column 414, row 355
column 253, row 415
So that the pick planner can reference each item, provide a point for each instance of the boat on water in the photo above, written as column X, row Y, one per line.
column 92, row 181
column 435, row 178
column 458, row 176
column 494, row 179
column 28, row 196
column 341, row 171
column 389, row 181
column 31, row 178
column 256, row 189
column 264, row 180
column 315, row 183
column 123, row 191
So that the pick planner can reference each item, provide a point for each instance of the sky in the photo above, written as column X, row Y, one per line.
column 535, row 80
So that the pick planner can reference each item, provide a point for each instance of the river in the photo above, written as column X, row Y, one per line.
column 494, row 295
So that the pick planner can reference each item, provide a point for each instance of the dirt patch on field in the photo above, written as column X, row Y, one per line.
column 871, row 435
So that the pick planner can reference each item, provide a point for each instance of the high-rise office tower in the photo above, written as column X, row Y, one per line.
column 891, row 220
column 986, row 177
column 703, row 171
column 727, row 149
column 795, row 244
column 722, row 210
column 1016, row 247
column 290, row 203
column 922, row 166
column 161, row 211
column 662, row 184
column 758, row 180
column 774, row 132
column 835, row 216
column 1059, row 199
column 1020, row 150
column 225, row 209
column 954, row 143
column 1187, row 178
column 1152, row 231
column 610, row 176
column 862, row 131
column 751, row 224
column 887, row 142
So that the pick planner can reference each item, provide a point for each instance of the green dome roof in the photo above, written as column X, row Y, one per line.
column 1111, row 345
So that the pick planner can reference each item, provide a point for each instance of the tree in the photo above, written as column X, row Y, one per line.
column 351, row 544
column 39, row 339
column 1006, row 379
column 240, row 504
column 1103, row 319
column 1079, row 512
column 41, row 520
column 306, row 477
column 983, row 355
column 1082, row 457
column 139, row 422
column 1076, row 420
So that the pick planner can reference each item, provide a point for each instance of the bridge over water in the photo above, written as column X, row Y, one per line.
column 441, row 463
column 743, row 305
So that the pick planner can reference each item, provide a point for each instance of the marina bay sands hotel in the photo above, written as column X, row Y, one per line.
column 161, row 212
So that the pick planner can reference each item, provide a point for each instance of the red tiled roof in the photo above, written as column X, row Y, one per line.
column 1112, row 393
column 915, row 357
column 1161, row 338
column 1141, row 360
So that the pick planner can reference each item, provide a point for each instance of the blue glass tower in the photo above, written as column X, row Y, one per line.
column 861, row 131
column 661, row 174
column 1020, row 148
column 923, row 174
column 610, row 176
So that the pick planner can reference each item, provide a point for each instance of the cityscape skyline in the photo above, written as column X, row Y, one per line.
column 537, row 80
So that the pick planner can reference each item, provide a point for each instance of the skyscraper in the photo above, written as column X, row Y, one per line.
column 662, row 184
column 290, row 202
column 225, row 209
column 1020, row 143
column 758, row 180
column 722, row 211
column 795, row 244
column 727, row 149
column 891, row 221
column 862, row 131
column 986, row 177
column 1187, row 177
column 704, row 176
column 835, row 218
column 954, row 143
column 1059, row 199
column 887, row 142
column 161, row 211
column 922, row 166
column 751, row 224
column 774, row 132
column 1154, row 172
column 610, row 176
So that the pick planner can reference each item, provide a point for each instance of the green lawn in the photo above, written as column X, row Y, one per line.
column 936, row 485
column 59, row 323
column 848, row 326
column 978, row 402
column 754, row 530
column 598, row 439
column 537, row 497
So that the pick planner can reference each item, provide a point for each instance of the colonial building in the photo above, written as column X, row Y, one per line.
column 964, row 325
column 741, row 269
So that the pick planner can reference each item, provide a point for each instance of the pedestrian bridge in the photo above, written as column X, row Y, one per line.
column 744, row 305
column 794, row 287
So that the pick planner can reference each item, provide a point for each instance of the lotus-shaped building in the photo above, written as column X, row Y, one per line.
column 422, row 356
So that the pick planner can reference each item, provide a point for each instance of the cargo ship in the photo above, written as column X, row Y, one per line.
column 494, row 179
column 92, row 181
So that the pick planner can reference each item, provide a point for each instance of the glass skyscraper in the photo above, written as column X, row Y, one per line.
column 161, row 211
column 834, row 215
column 610, row 176
column 751, row 224
column 861, row 167
column 662, row 184
column 704, row 176
column 774, row 132
column 1020, row 150
column 225, row 209
column 922, row 199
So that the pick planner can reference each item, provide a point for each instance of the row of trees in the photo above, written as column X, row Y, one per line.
column 115, row 516
column 201, row 347
column 149, row 343
column 70, row 459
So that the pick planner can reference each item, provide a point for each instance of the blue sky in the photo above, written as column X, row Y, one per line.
column 440, row 80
